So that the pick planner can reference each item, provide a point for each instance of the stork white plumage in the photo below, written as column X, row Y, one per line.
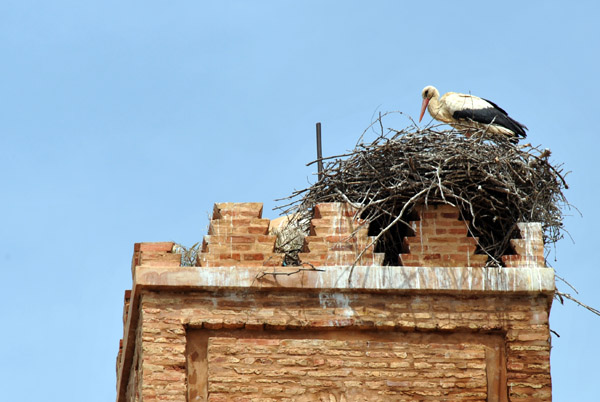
column 467, row 112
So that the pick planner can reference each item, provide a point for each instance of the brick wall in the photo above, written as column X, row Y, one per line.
column 307, row 369
column 366, row 347
column 225, row 331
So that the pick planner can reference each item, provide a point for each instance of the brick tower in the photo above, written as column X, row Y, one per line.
column 240, row 327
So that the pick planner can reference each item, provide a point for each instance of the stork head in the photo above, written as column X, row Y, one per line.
column 428, row 93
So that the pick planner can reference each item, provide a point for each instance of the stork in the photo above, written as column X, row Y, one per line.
column 468, row 112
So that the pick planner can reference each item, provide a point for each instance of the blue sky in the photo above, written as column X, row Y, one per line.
column 123, row 122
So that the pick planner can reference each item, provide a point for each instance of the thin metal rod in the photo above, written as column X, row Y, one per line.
column 319, row 151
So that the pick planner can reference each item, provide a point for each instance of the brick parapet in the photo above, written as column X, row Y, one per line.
column 441, row 239
column 239, row 236
column 338, row 236
column 154, row 254
column 529, row 248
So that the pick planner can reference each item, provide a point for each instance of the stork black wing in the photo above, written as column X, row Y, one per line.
column 495, row 115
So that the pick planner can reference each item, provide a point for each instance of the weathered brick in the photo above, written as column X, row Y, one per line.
column 303, row 344
column 242, row 209
column 337, row 237
column 529, row 249
column 441, row 240
column 238, row 236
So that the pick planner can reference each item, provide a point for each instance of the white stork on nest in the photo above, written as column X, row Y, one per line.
column 468, row 112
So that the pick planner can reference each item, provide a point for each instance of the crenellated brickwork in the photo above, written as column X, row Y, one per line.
column 337, row 237
column 441, row 240
column 529, row 248
column 440, row 328
column 155, row 254
column 238, row 235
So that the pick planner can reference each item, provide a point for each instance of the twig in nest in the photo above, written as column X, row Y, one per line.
column 189, row 255
column 385, row 230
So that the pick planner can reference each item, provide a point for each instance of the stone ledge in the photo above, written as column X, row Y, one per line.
column 364, row 278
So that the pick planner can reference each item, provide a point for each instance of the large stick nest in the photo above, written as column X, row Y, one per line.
column 494, row 184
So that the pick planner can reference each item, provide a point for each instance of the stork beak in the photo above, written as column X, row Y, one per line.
column 423, row 107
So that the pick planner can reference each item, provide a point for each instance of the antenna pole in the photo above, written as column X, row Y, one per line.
column 319, row 151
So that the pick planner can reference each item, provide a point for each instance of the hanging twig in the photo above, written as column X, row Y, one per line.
column 275, row 273
column 568, row 296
